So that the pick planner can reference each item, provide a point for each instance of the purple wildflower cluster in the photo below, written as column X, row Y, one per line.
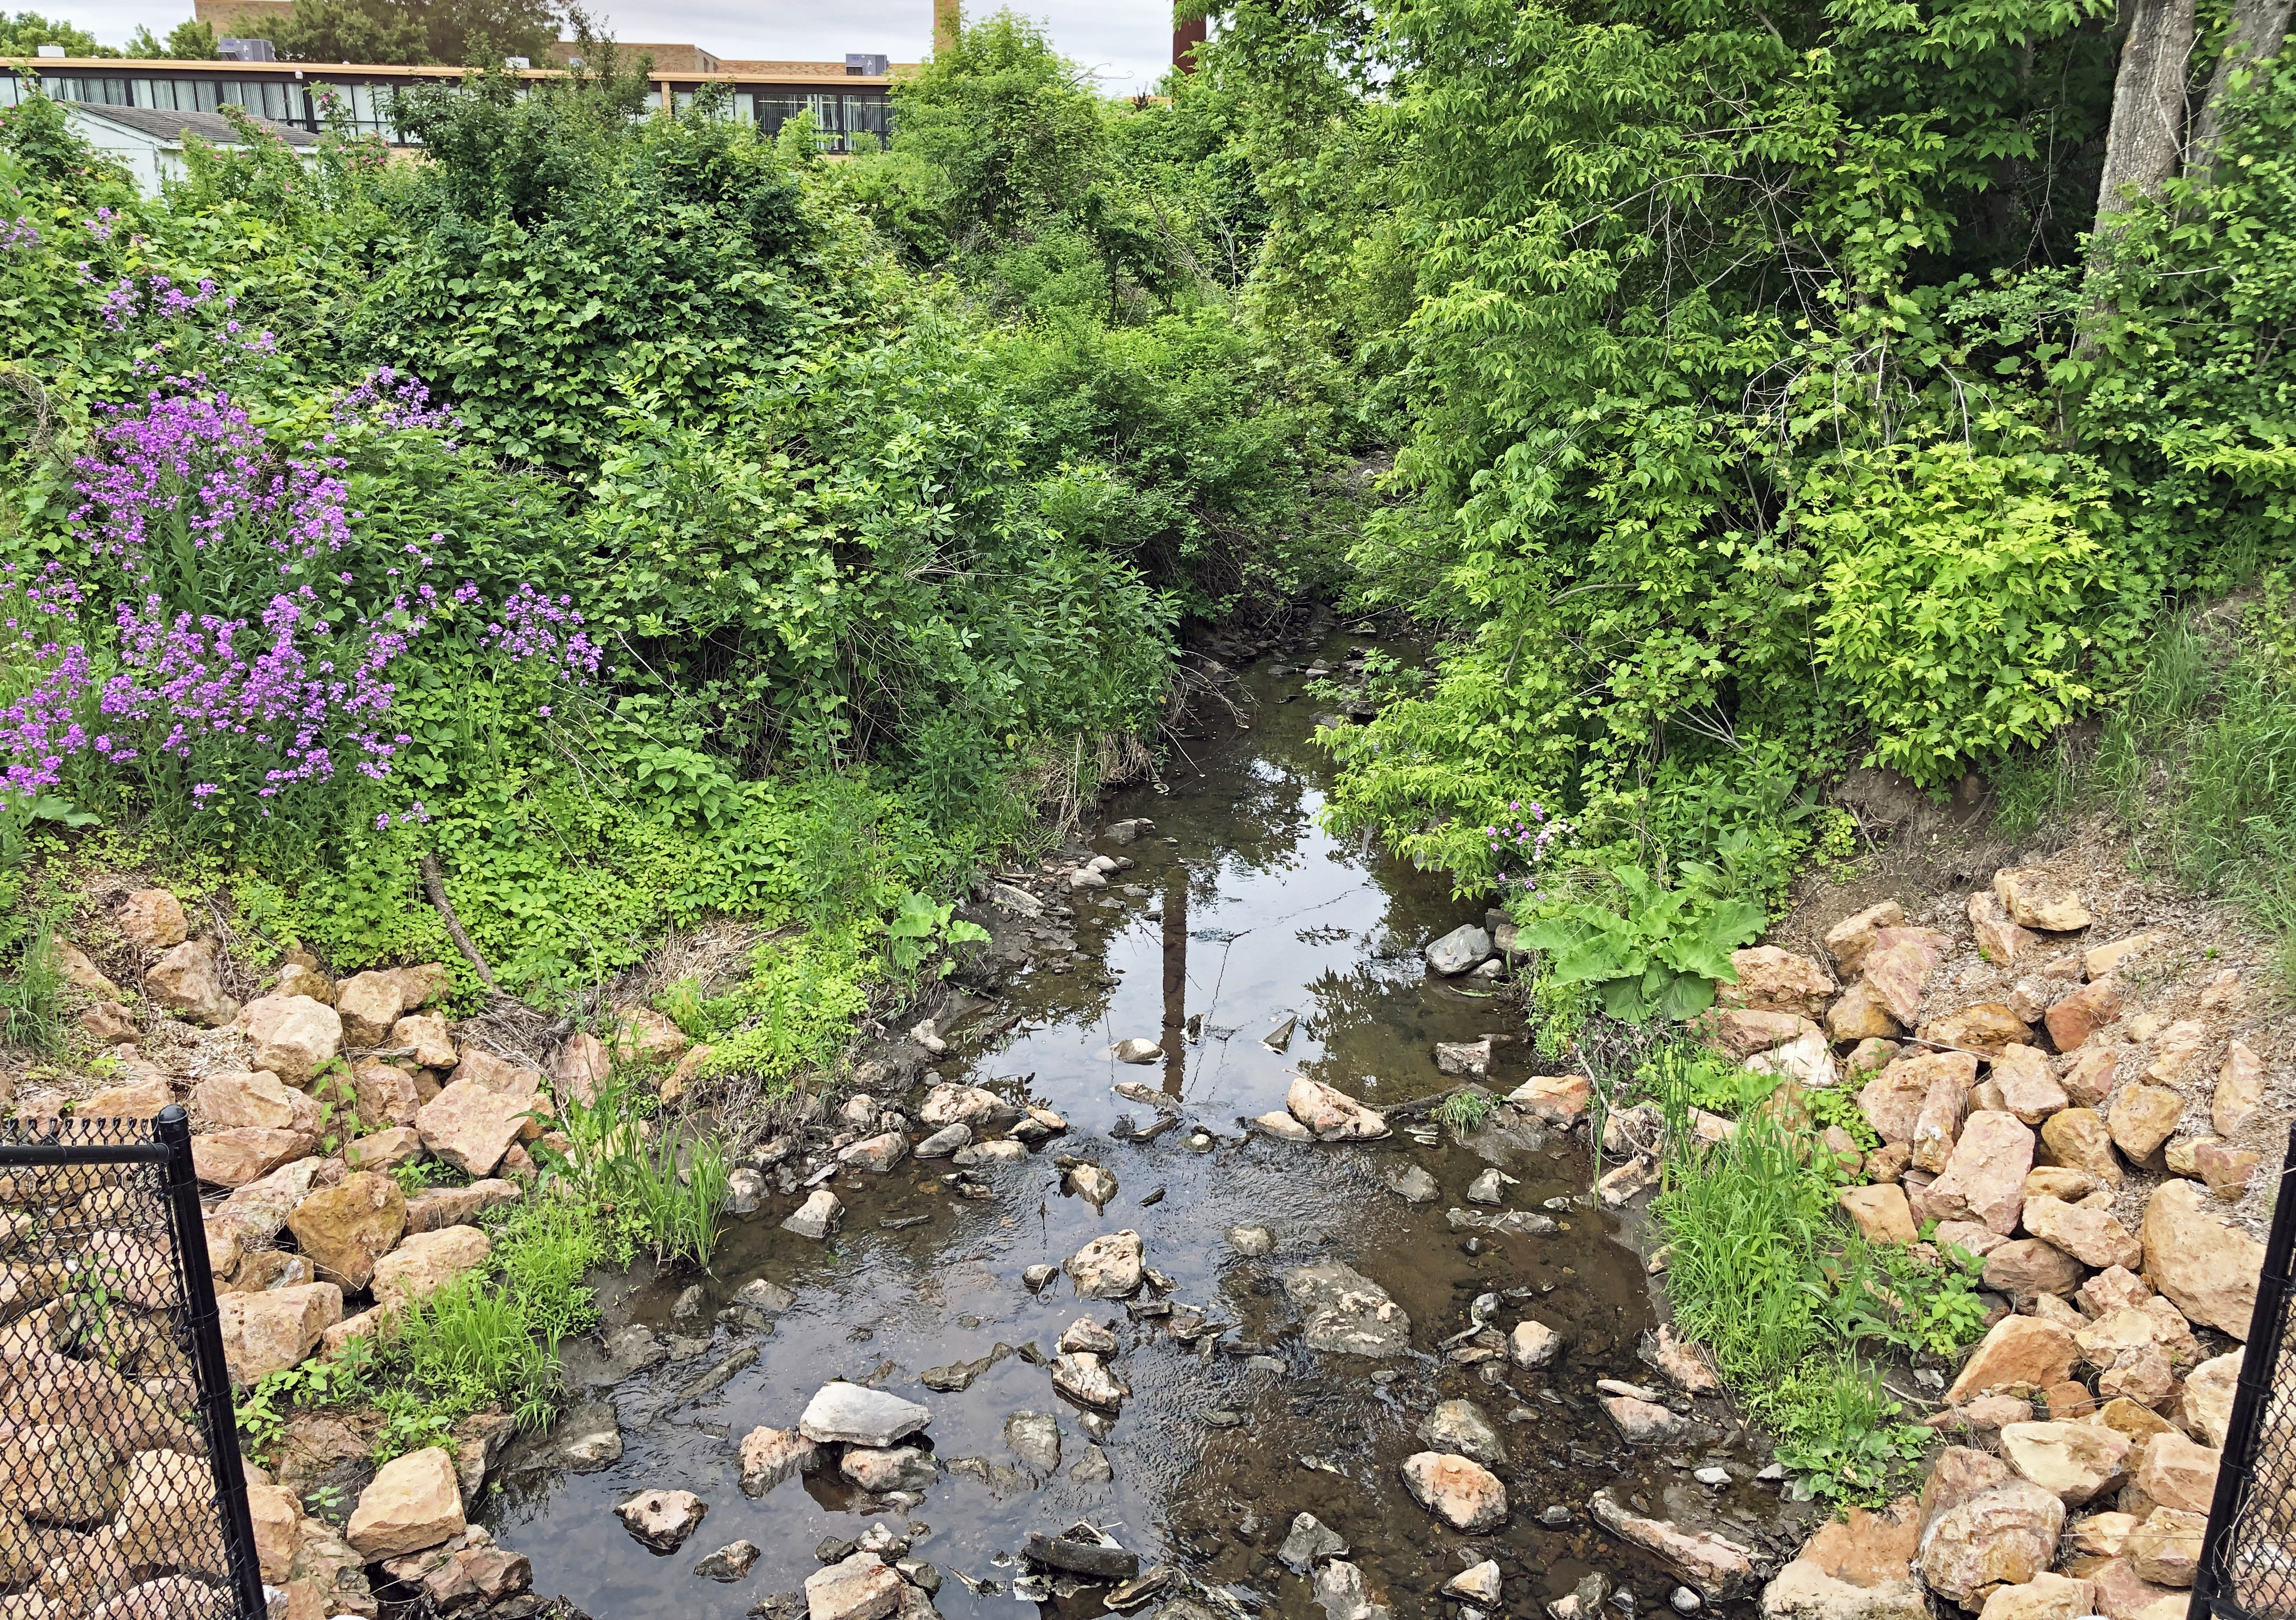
column 155, row 296
column 1523, row 845
column 19, row 233
column 240, row 709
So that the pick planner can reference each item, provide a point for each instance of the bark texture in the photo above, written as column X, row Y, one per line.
column 2146, row 143
column 2255, row 33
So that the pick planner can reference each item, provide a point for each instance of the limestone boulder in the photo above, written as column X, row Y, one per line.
column 2240, row 1089
column 2205, row 1408
column 258, row 1212
column 1858, row 1015
column 2047, row 1596
column 1848, row 940
column 1109, row 1268
column 2077, row 1139
column 188, row 981
column 1533, row 1343
column 1557, row 1100
column 1722, row 1571
column 2154, row 1325
column 2090, row 1236
column 80, row 972
column 243, row 1154
column 1999, row 940
column 771, row 1455
column 1332, row 1115
column 1742, row 1032
column 2166, row 1547
column 443, row 1207
column 425, row 1262
column 2226, row 1170
column 1897, row 969
column 258, row 1098
column 2035, row 899
column 2074, row 1018
column 1988, row 1027
column 2026, row 1268
column 2020, row 1354
column 139, row 1099
column 1772, row 980
column 2079, row 1462
column 152, row 919
column 2029, row 1088
column 294, row 1035
column 817, row 1217
column 643, row 1036
column 2205, row 1268
column 1458, row 1490
column 1893, row 1100
column 1984, row 1177
column 2000, row 1537
column 383, row 1094
column 861, row 1586
column 2174, row 1472
column 1344, row 1313
column 471, row 1126
column 432, row 1044
column 2141, row 1119
column 370, row 1003
column 384, row 1150
column 346, row 1229
column 413, row 1501
column 2089, row 1076
column 1880, row 1213
column 948, row 1105
column 854, row 1414
column 59, row 1474
column 272, row 1330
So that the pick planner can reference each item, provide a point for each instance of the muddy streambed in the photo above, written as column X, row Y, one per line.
column 1240, row 912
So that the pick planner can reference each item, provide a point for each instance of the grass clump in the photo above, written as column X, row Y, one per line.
column 2199, row 762
column 1793, row 1303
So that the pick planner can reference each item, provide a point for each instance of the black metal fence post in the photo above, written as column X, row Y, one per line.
column 218, row 1415
column 2230, row 1538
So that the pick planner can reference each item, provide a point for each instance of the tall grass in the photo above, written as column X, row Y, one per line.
column 628, row 1169
column 2199, row 762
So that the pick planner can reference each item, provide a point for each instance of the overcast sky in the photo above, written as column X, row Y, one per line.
column 1128, row 43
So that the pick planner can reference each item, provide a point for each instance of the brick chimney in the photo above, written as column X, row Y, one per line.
column 1187, row 34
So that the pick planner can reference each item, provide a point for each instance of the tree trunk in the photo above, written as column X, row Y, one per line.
column 2255, row 34
column 2146, row 143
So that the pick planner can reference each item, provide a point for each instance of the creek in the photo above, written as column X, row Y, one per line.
column 1240, row 911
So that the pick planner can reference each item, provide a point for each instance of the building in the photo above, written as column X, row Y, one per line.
column 850, row 101
column 150, row 144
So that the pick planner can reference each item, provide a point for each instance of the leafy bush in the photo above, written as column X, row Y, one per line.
column 1648, row 951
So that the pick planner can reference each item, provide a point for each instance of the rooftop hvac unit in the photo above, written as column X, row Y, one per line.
column 53, row 51
column 862, row 61
column 246, row 50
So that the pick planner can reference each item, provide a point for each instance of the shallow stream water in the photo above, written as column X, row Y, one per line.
column 1241, row 912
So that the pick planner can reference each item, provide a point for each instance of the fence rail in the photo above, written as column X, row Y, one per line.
column 121, row 1490
column 2248, row 1557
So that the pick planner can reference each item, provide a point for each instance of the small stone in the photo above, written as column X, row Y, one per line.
column 882, row 1470
column 2074, row 1018
column 187, row 981
column 945, row 1141
column 1307, row 1544
column 1332, row 1115
column 153, row 919
column 1035, row 1438
column 730, row 1562
column 770, row 1456
column 2021, row 1353
column 1462, row 1426
column 859, row 1587
column 1459, row 950
column 662, row 1519
column 2078, row 1139
column 415, row 1501
column 857, row 1415
column 1411, row 1183
column 2142, row 1118
column 1464, row 1057
column 424, row 1263
column 1138, row 1051
column 1109, row 1268
column 1345, row 1313
column 2079, row 1462
column 1533, row 1343
column 2240, row 1089
column 2037, row 900
column 817, row 1217
column 1478, row 1583
column 2028, row 1089
column 294, row 1036
column 1457, row 1490
column 2002, row 1536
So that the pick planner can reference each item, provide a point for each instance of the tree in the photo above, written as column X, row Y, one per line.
column 24, row 33
column 2146, row 143
column 477, row 33
column 2254, row 35
column 188, row 41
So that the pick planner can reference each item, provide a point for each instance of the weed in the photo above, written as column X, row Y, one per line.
column 1840, row 1433
column 1464, row 1112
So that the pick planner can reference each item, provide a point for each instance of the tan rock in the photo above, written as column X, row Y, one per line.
column 2131, row 1418
column 1333, row 1115
column 506, row 1079
column 258, row 1212
column 246, row 1153
column 2021, row 1353
column 1999, row 939
column 2079, row 1462
column 293, row 1035
column 428, row 1034
column 2140, row 1376
column 1970, row 1237
column 2079, row 1139
column 2026, row 1268
column 2116, row 1287
column 153, row 919
column 1858, row 1015
column 2227, row 1169
column 1896, row 970
column 771, row 1455
column 415, row 1501
column 1459, row 1491
column 59, row 1474
column 419, row 987
column 2207, row 1270
column 2240, row 1089
column 110, row 1024
column 256, row 1098
column 1848, row 940
column 1742, row 1033
column 278, row 1513
column 2037, row 900
column 139, row 1099
column 2153, row 1325
column 2176, row 1473
column 2204, row 1405
column 370, row 1004
column 304, row 978
column 1984, row 1177
column 471, row 1126
column 1721, row 1569
column 82, row 973
column 1880, row 1213
column 582, row 1067
column 366, row 1324
column 1869, row 1057
column 2102, row 960
column 383, row 1094
column 167, row 1517
column 860, row 1587
column 1986, row 1028
column 270, row 1331
column 445, row 1207
column 1772, row 980
column 2175, row 1050
column 2003, row 1537
column 2099, row 1535
column 1894, row 1099
column 2073, row 1019
column 2090, row 1075
column 2122, row 1594
column 384, row 1150
column 1938, row 1127
column 2058, row 1181
column 349, row 1227
column 643, row 1036
column 424, row 1263
column 1559, row 1100
column 2047, row 1596
column 1109, row 1268
column 2166, row 1547
column 188, row 981
column 2089, row 1236
column 2028, row 1089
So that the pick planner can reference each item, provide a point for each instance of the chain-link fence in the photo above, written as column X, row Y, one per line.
column 121, row 1493
column 2248, row 1560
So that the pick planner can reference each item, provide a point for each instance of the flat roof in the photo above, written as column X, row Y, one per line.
column 762, row 72
column 210, row 126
